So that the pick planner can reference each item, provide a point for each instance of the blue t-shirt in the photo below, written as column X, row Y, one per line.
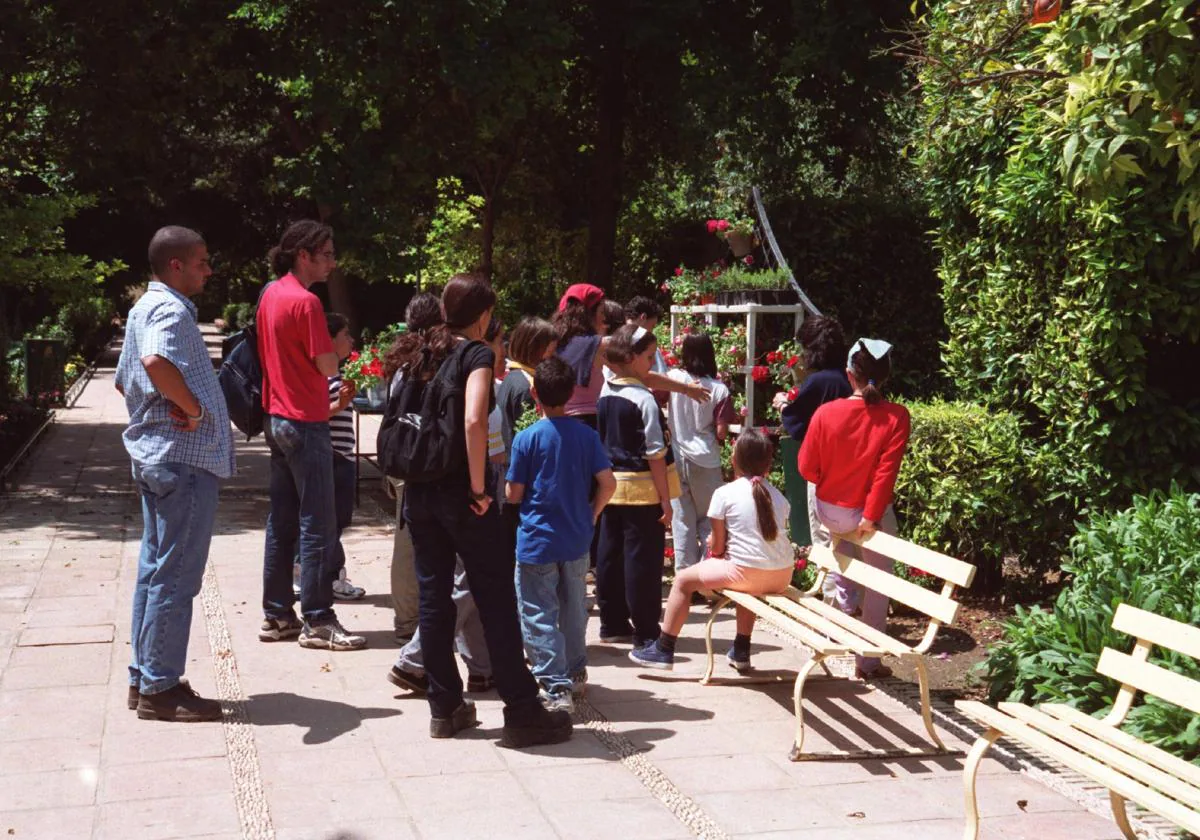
column 555, row 459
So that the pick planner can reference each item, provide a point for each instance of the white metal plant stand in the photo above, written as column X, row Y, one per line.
column 752, row 311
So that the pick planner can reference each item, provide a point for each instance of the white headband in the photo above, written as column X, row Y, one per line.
column 639, row 334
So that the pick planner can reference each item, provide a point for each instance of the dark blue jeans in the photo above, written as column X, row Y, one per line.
column 629, row 571
column 443, row 526
column 343, row 506
column 302, row 512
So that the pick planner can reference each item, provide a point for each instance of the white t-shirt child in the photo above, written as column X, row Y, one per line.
column 744, row 543
column 694, row 424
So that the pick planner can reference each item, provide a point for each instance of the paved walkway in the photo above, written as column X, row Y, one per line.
column 319, row 745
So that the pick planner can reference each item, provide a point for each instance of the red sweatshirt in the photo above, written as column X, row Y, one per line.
column 852, row 453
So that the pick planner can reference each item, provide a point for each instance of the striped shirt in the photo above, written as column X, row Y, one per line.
column 163, row 323
column 341, row 425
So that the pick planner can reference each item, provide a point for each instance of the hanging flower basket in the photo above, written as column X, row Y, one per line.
column 740, row 244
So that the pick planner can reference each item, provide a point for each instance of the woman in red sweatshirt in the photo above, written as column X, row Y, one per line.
column 852, row 453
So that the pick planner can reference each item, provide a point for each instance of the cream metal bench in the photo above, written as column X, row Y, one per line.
column 830, row 632
column 1095, row 747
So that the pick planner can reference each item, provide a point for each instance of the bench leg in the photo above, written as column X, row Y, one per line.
column 970, row 771
column 797, row 697
column 1119, row 815
column 926, row 714
column 708, row 645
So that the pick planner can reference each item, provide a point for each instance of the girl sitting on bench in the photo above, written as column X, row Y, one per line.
column 749, row 552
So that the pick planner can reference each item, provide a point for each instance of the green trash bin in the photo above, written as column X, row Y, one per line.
column 796, row 490
column 45, row 360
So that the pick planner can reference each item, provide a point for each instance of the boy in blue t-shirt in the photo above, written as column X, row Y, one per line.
column 553, row 467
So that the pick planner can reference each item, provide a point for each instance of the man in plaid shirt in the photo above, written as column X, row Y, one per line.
column 181, row 445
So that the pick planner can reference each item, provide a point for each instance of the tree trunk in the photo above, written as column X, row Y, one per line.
column 605, row 192
column 487, row 234
column 340, row 299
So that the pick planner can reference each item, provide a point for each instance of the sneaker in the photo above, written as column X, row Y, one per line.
column 416, row 683
column 652, row 656
column 180, row 704
column 739, row 660
column 477, row 683
column 579, row 683
column 278, row 629
column 133, row 698
column 533, row 725
column 296, row 579
column 557, row 701
column 464, row 717
column 344, row 590
column 616, row 639
column 330, row 636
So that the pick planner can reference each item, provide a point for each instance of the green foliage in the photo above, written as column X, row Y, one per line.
column 1060, row 164
column 451, row 243
column 973, row 485
column 1147, row 556
column 231, row 315
column 528, row 417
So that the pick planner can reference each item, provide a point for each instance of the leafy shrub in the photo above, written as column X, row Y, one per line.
column 231, row 314
column 1067, row 204
column 87, row 323
column 1147, row 556
column 974, row 486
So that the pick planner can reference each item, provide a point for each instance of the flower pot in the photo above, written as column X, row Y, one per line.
column 708, row 298
column 766, row 297
column 740, row 243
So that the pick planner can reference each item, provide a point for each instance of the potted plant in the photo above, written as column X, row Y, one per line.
column 741, row 283
column 365, row 370
column 737, row 231
column 690, row 287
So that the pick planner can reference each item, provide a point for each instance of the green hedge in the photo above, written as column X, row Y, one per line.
column 1147, row 556
column 974, row 486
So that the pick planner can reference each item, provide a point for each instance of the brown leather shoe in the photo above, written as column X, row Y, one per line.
column 134, row 696
column 180, row 704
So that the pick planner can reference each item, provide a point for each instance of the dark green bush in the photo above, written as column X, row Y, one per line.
column 230, row 314
column 88, row 323
column 1147, row 556
column 974, row 486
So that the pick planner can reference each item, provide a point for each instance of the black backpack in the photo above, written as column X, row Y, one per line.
column 423, row 435
column 241, row 378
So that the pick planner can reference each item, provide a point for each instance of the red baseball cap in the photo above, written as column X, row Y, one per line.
column 585, row 293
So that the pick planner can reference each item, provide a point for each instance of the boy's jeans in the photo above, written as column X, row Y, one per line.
column 553, row 602
column 301, row 510
column 179, row 507
column 468, row 634
column 689, row 523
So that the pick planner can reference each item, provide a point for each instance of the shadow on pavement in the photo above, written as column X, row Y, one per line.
column 324, row 719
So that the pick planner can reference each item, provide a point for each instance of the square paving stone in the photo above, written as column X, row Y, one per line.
column 164, row 779
column 66, row 635
column 55, row 789
column 168, row 817
column 48, row 823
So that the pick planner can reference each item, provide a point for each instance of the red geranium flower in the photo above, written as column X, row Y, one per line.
column 792, row 394
column 760, row 373
column 722, row 225
column 801, row 564
column 353, row 356
column 679, row 268
column 748, row 259
column 711, row 224
column 793, row 361
column 669, row 552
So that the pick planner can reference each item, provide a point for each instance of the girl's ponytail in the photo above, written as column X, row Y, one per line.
column 754, row 453
column 765, row 509
column 872, row 373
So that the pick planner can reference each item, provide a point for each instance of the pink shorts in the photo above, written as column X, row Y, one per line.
column 725, row 574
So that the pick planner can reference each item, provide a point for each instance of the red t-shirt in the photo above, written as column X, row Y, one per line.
column 291, row 334
column 852, row 453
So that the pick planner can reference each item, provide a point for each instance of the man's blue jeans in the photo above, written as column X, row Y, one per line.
column 553, row 602
column 302, row 513
column 179, row 507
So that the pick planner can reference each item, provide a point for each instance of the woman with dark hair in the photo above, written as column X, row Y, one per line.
column 533, row 340
column 423, row 313
column 613, row 315
column 583, row 344
column 455, row 515
column 851, row 455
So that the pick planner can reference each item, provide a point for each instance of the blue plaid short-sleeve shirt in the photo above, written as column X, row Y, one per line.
column 163, row 323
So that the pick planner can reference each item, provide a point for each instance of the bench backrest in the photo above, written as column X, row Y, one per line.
column 1136, row 674
column 940, row 606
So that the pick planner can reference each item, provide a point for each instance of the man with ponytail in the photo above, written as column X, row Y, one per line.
column 297, row 357
column 852, row 454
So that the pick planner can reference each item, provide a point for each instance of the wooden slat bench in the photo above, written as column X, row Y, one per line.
column 1130, row 768
column 830, row 632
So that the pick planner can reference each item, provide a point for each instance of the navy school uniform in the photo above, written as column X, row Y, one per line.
column 629, row 562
